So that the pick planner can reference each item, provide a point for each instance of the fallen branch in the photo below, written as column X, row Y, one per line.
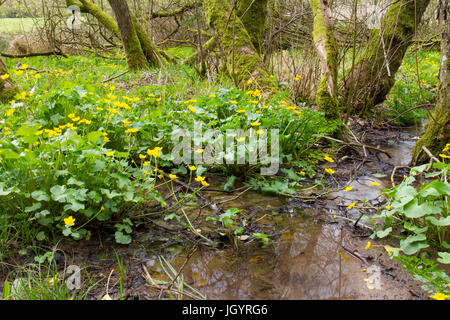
column 358, row 144
column 33, row 54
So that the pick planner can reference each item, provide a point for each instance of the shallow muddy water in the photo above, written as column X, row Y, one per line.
column 313, row 255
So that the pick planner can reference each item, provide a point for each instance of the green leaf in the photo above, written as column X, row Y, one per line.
column 67, row 231
column 93, row 136
column 40, row 196
column 229, row 184
column 35, row 206
column 415, row 210
column 444, row 257
column 40, row 236
column 442, row 222
column 3, row 190
column 435, row 188
column 73, row 181
column 384, row 233
column 413, row 244
column 58, row 193
column 122, row 238
column 6, row 290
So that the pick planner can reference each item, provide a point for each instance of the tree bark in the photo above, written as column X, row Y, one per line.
column 131, row 26
column 253, row 14
column 242, row 58
column 437, row 130
column 7, row 88
column 374, row 74
column 326, row 47
column 135, row 56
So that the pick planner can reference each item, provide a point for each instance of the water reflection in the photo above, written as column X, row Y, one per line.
column 303, row 264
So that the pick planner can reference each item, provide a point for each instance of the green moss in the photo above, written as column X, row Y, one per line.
column 253, row 14
column 149, row 49
column 89, row 7
column 243, row 60
column 374, row 82
column 323, row 37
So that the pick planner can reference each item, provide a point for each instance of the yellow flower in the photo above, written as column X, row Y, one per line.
column 204, row 183
column 302, row 173
column 110, row 153
column 212, row 95
column 191, row 109
column 154, row 152
column 112, row 88
column 334, row 217
column 9, row 112
column 373, row 183
column 240, row 139
column 255, row 124
column 19, row 72
column 23, row 67
column 329, row 159
column 146, row 172
column 254, row 101
column 250, row 81
column 70, row 221
column 37, row 76
column 199, row 178
column 126, row 123
column 192, row 168
column 151, row 95
column 444, row 156
column 351, row 205
column 348, row 189
column 12, row 101
column 259, row 131
column 388, row 207
column 329, row 171
column 131, row 130
column 367, row 247
column 142, row 156
column 233, row 102
column 4, row 76
column 173, row 176
column 241, row 111
column 146, row 163
column 440, row 296
column 199, row 150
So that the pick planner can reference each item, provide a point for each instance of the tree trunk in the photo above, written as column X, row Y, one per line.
column 326, row 47
column 148, row 49
column 130, row 40
column 437, row 130
column 242, row 59
column 374, row 74
column 253, row 14
column 7, row 88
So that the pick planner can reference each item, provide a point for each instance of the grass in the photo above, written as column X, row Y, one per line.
column 13, row 26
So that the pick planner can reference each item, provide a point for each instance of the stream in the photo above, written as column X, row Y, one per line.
column 313, row 255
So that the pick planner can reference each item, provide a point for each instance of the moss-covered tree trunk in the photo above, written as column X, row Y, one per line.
column 253, row 14
column 374, row 73
column 131, row 26
column 326, row 47
column 7, row 87
column 130, row 40
column 437, row 130
column 91, row 8
column 242, row 58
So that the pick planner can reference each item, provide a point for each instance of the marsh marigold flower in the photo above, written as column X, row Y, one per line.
column 70, row 221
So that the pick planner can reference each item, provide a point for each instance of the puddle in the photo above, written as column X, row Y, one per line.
column 312, row 256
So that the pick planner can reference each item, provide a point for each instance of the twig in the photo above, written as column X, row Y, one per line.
column 430, row 154
column 33, row 54
column 115, row 77
column 358, row 144
column 393, row 173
